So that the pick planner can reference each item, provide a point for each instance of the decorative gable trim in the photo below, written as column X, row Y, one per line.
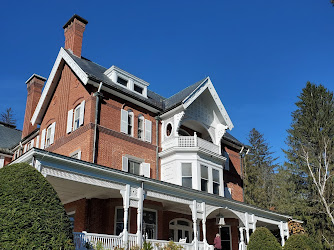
column 63, row 57
column 207, row 84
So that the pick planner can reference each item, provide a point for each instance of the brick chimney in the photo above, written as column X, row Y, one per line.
column 34, row 86
column 73, row 31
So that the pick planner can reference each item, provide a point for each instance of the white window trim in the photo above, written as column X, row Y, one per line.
column 156, row 220
column 145, row 168
column 71, row 117
column 142, row 129
column 177, row 227
column 210, row 178
column 186, row 176
column 45, row 133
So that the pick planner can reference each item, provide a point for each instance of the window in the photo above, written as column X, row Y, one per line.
column 48, row 136
column 227, row 162
column 130, row 123
column 141, row 121
column 122, row 81
column 75, row 118
column 138, row 89
column 127, row 125
column 186, row 175
column 120, row 221
column 215, row 181
column 225, row 236
column 71, row 217
column 149, row 224
column 180, row 229
column 76, row 154
column 136, row 166
column 169, row 129
column 204, row 178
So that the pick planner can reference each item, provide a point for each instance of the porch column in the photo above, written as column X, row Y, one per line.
column 241, row 243
column 140, row 216
column 247, row 227
column 193, row 208
column 204, row 223
column 126, row 202
column 281, row 230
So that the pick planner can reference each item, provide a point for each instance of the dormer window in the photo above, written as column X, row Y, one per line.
column 127, row 80
column 138, row 89
column 122, row 81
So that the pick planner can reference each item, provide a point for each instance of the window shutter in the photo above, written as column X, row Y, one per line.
column 146, row 169
column 125, row 164
column 37, row 142
column 124, row 121
column 227, row 162
column 69, row 121
column 25, row 148
column 148, row 130
column 82, row 113
column 43, row 139
column 52, row 136
column 79, row 155
column 32, row 143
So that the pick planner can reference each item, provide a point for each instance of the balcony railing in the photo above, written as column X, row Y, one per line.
column 190, row 142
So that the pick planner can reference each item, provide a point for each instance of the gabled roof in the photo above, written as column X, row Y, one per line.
column 90, row 72
column 10, row 136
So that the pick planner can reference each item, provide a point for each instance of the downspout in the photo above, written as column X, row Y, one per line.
column 97, row 120
column 157, row 119
column 241, row 166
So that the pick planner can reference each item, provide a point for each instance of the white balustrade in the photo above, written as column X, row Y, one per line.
column 81, row 240
column 190, row 142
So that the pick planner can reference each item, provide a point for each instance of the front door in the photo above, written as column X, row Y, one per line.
column 225, row 236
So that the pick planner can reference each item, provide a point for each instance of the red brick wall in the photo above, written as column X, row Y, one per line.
column 80, row 217
column 233, row 177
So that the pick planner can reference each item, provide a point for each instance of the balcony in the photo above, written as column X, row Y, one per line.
column 190, row 142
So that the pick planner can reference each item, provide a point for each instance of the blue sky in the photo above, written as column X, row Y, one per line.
column 258, row 54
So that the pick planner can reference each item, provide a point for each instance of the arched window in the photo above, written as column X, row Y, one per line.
column 180, row 229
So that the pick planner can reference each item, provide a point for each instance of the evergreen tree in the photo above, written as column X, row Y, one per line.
column 8, row 117
column 310, row 157
column 259, row 172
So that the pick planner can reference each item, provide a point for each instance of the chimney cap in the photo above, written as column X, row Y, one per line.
column 75, row 16
column 37, row 76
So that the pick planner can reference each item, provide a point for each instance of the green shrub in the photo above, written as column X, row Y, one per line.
column 31, row 214
column 263, row 239
column 301, row 241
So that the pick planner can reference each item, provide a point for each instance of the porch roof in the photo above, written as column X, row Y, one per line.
column 107, row 175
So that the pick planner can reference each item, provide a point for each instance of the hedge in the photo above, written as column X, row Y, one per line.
column 263, row 239
column 31, row 214
column 302, row 242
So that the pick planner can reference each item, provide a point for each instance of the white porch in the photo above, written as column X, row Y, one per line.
column 74, row 180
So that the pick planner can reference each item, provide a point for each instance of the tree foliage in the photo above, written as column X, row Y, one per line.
column 8, row 117
column 259, row 172
column 310, row 157
column 263, row 239
column 31, row 214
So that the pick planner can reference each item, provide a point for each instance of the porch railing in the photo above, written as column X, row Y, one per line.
column 84, row 239
column 190, row 142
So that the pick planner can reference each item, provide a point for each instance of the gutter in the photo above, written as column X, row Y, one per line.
column 99, row 96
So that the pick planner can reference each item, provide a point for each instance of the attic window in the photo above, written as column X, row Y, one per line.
column 122, row 81
column 138, row 89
